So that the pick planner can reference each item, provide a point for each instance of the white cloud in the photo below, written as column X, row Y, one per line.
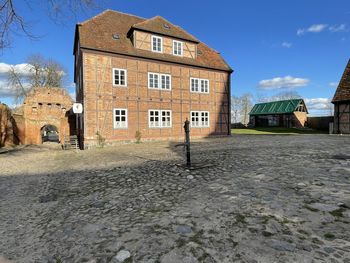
column 338, row 28
column 22, row 69
column 319, row 106
column 287, row 44
column 316, row 28
column 334, row 84
column 283, row 82
column 5, row 90
column 318, row 103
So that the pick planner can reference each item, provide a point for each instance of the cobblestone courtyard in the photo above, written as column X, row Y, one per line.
column 264, row 199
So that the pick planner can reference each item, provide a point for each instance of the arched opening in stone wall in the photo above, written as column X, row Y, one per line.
column 49, row 133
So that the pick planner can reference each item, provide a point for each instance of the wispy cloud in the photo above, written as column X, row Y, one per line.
column 286, row 44
column 318, row 28
column 283, row 82
column 334, row 84
column 338, row 28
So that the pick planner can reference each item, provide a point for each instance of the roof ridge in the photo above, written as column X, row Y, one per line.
column 113, row 11
column 278, row 101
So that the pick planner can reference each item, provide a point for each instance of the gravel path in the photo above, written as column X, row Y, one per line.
column 261, row 199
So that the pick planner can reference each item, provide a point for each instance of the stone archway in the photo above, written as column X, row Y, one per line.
column 49, row 133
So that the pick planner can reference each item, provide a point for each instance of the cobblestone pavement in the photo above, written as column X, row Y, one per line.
column 262, row 199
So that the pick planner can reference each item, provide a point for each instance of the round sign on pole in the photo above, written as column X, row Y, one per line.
column 77, row 108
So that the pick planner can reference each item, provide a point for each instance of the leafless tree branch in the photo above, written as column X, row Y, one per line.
column 12, row 22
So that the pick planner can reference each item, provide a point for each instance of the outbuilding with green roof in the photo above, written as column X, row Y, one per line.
column 284, row 113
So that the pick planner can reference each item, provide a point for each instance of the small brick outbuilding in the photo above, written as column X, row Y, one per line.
column 44, row 110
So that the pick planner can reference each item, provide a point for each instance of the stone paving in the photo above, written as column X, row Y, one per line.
column 262, row 199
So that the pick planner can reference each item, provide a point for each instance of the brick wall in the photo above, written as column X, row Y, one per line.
column 100, row 97
column 43, row 106
column 300, row 119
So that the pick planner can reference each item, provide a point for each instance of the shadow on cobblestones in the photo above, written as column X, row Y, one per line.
column 266, row 199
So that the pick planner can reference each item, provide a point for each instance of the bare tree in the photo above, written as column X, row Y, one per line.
column 247, row 105
column 235, row 109
column 12, row 22
column 40, row 72
column 286, row 95
column 240, row 108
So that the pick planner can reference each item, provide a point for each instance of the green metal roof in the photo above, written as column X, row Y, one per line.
column 276, row 107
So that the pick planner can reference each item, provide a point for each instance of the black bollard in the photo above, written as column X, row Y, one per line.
column 187, row 136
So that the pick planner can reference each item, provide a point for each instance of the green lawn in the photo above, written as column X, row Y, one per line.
column 274, row 131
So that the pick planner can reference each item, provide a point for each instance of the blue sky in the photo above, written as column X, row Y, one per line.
column 272, row 45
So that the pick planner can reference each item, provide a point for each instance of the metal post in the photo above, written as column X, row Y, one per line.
column 187, row 136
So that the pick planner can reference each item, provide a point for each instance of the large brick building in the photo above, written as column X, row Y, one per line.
column 148, row 75
column 341, row 101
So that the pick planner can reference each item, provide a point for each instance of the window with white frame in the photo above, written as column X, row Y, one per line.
column 199, row 85
column 194, row 85
column 204, row 85
column 120, row 118
column 199, row 118
column 177, row 48
column 119, row 77
column 159, row 118
column 153, row 80
column 157, row 44
column 159, row 81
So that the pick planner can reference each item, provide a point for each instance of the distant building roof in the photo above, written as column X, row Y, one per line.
column 277, row 107
column 343, row 90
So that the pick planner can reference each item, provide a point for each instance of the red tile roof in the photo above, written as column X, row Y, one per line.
column 161, row 26
column 343, row 91
column 96, row 33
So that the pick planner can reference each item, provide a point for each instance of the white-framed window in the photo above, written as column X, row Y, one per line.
column 177, row 48
column 153, row 80
column 157, row 44
column 194, row 85
column 204, row 85
column 159, row 118
column 120, row 118
column 200, row 119
column 199, row 85
column 120, row 77
column 159, row 81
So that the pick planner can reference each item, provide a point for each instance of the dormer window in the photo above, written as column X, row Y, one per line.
column 177, row 48
column 157, row 44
